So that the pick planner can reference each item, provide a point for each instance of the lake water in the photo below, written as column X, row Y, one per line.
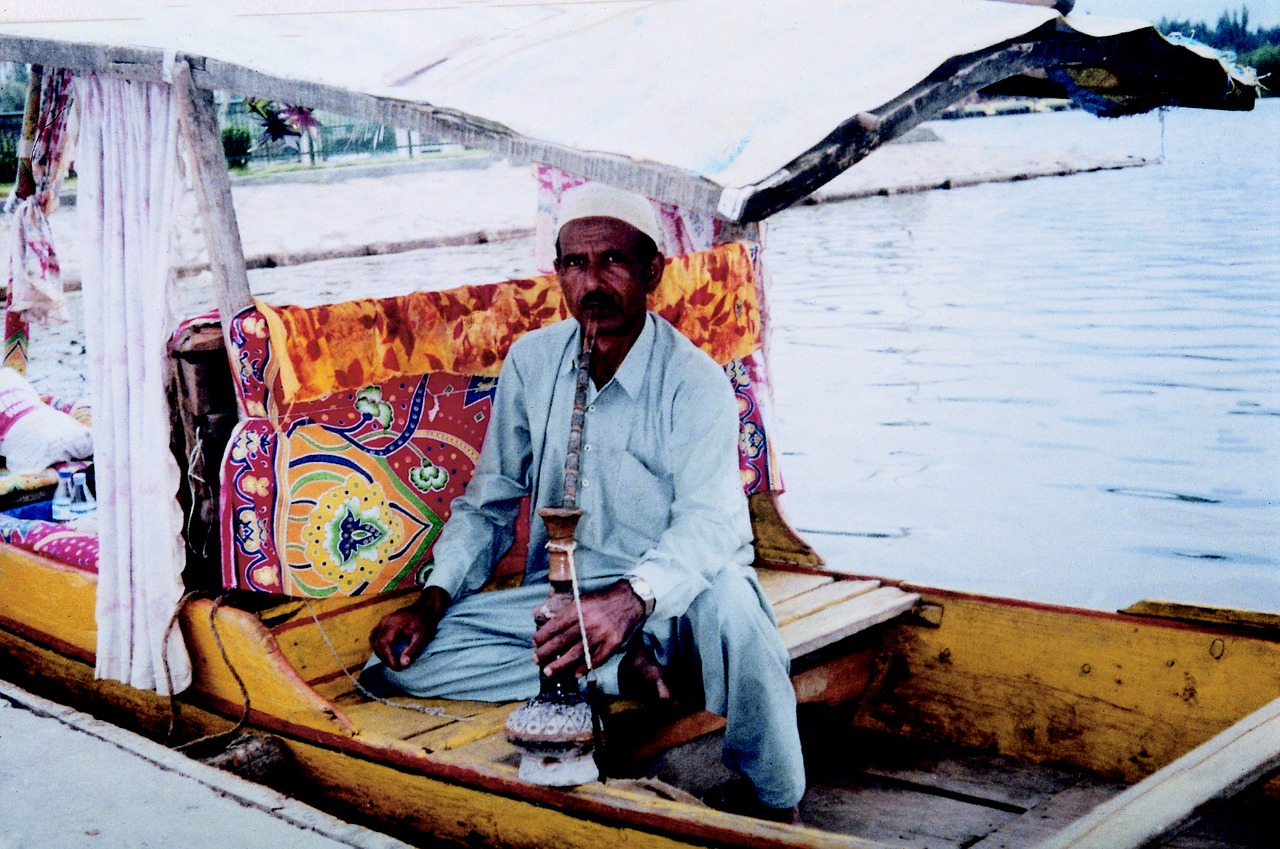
column 1066, row 389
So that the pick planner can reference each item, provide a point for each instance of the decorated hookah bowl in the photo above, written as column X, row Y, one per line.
column 554, row 735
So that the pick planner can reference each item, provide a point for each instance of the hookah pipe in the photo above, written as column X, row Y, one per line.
column 562, row 521
column 556, row 729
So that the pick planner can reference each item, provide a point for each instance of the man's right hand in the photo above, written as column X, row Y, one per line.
column 402, row 635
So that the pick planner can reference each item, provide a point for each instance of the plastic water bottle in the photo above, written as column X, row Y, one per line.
column 61, row 511
column 82, row 501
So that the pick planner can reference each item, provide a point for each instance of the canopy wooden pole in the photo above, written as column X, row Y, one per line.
column 199, row 127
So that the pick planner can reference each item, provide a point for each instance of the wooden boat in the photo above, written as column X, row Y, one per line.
column 931, row 717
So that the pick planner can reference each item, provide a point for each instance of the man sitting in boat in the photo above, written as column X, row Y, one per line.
column 664, row 548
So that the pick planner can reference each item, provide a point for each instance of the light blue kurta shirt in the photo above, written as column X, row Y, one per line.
column 658, row 483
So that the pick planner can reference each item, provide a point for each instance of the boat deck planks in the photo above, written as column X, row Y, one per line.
column 780, row 584
column 1049, row 816
column 491, row 722
column 832, row 624
column 819, row 599
column 400, row 724
column 913, row 793
column 493, row 750
column 988, row 780
column 899, row 817
column 1215, row 770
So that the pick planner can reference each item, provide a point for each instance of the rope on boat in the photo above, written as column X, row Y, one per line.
column 593, row 686
column 244, row 691
column 174, row 712
column 217, row 639
column 360, row 688
column 193, row 455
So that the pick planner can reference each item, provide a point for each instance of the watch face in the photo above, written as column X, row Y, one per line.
column 642, row 589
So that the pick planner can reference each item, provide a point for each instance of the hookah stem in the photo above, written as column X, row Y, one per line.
column 576, row 422
column 578, row 418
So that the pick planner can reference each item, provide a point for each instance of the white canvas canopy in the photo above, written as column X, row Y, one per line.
column 731, row 107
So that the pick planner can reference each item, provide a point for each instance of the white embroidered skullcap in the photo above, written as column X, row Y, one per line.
column 596, row 200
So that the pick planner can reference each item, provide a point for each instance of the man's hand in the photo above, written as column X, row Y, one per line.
column 608, row 614
column 402, row 635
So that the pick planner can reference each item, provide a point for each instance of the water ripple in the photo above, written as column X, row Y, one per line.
column 1119, row 326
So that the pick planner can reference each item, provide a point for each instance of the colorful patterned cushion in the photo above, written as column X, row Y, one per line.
column 348, row 498
column 342, row 471
column 15, row 484
column 55, row 540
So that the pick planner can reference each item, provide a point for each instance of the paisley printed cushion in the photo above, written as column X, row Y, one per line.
column 349, row 499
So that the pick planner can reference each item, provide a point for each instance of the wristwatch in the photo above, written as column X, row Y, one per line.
column 641, row 588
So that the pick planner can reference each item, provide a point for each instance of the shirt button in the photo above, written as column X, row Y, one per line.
column 586, row 484
column 586, row 448
column 591, row 409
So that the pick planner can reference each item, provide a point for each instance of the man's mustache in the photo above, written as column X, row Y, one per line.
column 597, row 301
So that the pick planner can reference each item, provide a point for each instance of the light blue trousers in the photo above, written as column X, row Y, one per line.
column 483, row 651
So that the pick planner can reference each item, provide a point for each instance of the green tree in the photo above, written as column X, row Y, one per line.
column 1231, row 32
column 237, row 142
column 13, row 89
column 1266, row 60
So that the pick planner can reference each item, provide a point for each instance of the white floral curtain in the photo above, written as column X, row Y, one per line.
column 129, row 174
column 34, row 277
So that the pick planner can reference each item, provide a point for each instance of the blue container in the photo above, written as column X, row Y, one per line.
column 42, row 510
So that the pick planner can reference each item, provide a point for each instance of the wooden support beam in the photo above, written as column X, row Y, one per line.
column 199, row 128
column 1257, row 622
column 1175, row 796
column 142, row 64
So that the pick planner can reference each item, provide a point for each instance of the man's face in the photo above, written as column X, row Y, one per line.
column 600, row 272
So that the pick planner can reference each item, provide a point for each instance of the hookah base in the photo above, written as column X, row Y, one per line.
column 558, row 769
column 554, row 735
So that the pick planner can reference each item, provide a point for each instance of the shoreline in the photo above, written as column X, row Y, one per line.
column 155, row 793
column 384, row 208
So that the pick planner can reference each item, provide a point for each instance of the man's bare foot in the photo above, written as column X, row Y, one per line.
column 640, row 676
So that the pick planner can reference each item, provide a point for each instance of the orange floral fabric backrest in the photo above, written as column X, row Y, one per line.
column 711, row 296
